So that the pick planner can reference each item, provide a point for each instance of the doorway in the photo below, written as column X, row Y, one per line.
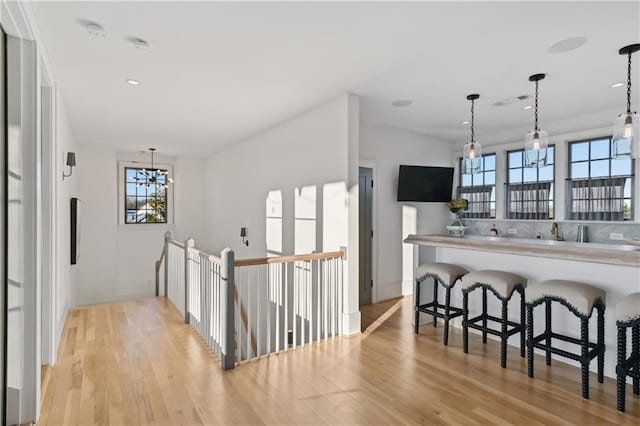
column 365, row 209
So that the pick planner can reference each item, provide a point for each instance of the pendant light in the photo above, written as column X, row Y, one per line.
column 150, row 176
column 472, row 153
column 537, row 140
column 626, row 128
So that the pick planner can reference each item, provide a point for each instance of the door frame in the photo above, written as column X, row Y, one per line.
column 373, row 165
column 48, row 218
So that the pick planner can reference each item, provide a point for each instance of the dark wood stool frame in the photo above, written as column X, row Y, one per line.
column 628, row 366
column 588, row 350
column 504, row 333
column 432, row 307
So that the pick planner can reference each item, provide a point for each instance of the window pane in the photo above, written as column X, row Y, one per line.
column 141, row 191
column 621, row 167
column 530, row 174
column 600, row 149
column 131, row 189
column 515, row 159
column 580, row 151
column 130, row 173
column 515, row 176
column 600, row 168
column 490, row 162
column 466, row 180
column 579, row 170
column 490, row 178
column 551, row 152
column 545, row 173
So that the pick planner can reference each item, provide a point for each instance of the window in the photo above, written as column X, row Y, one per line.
column 599, row 187
column 529, row 189
column 479, row 189
column 145, row 195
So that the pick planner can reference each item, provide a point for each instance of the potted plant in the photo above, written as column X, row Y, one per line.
column 457, row 206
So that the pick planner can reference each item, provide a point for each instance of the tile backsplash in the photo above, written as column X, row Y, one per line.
column 598, row 232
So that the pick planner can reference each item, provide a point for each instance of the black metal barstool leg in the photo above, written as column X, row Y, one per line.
column 416, row 318
column 523, row 323
column 547, row 329
column 465, row 318
column 584, row 337
column 621, row 373
column 530, row 340
column 484, row 315
column 503, row 335
column 635, row 348
column 446, row 315
column 435, row 302
column 601, row 344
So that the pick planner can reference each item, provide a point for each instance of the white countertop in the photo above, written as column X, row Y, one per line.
column 612, row 254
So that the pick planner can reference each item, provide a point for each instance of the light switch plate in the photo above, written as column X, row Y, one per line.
column 619, row 236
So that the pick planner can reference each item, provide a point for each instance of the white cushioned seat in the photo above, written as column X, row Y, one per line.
column 447, row 273
column 503, row 283
column 582, row 297
column 628, row 308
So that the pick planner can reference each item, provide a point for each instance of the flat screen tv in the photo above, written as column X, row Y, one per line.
column 425, row 184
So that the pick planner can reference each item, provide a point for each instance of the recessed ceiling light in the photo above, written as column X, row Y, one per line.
column 567, row 45
column 133, row 82
column 464, row 123
column 401, row 103
column 139, row 43
column 618, row 84
column 95, row 29
column 527, row 107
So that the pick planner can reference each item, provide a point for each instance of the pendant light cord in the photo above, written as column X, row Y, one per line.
column 629, row 85
column 536, row 108
column 472, row 120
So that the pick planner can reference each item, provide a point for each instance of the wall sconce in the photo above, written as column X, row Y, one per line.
column 71, row 162
column 243, row 235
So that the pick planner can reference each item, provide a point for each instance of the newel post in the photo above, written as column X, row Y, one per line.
column 228, row 307
column 188, row 245
column 167, row 237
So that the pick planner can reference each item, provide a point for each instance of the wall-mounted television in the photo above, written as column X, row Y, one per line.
column 425, row 184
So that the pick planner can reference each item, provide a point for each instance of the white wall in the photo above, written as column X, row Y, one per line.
column 290, row 187
column 386, row 148
column 117, row 262
column 66, row 280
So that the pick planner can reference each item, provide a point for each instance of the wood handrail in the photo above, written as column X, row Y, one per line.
column 286, row 259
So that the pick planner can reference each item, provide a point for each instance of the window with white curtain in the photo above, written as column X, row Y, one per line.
column 599, row 187
column 479, row 189
column 530, row 190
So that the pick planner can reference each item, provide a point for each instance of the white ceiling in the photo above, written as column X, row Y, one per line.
column 219, row 72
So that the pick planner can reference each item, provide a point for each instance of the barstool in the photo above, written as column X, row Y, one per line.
column 580, row 299
column 502, row 285
column 628, row 315
column 446, row 274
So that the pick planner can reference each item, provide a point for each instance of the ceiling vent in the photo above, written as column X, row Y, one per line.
column 510, row 101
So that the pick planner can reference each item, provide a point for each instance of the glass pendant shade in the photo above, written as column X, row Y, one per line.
column 472, row 158
column 535, row 148
column 626, row 136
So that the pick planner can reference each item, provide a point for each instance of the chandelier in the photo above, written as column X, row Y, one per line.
column 153, row 177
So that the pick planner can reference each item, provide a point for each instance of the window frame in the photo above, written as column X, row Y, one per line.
column 553, row 182
column 483, row 173
column 570, row 162
column 122, row 194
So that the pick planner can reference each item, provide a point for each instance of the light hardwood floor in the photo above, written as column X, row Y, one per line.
column 137, row 363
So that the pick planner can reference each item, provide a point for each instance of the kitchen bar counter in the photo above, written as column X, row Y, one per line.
column 611, row 254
